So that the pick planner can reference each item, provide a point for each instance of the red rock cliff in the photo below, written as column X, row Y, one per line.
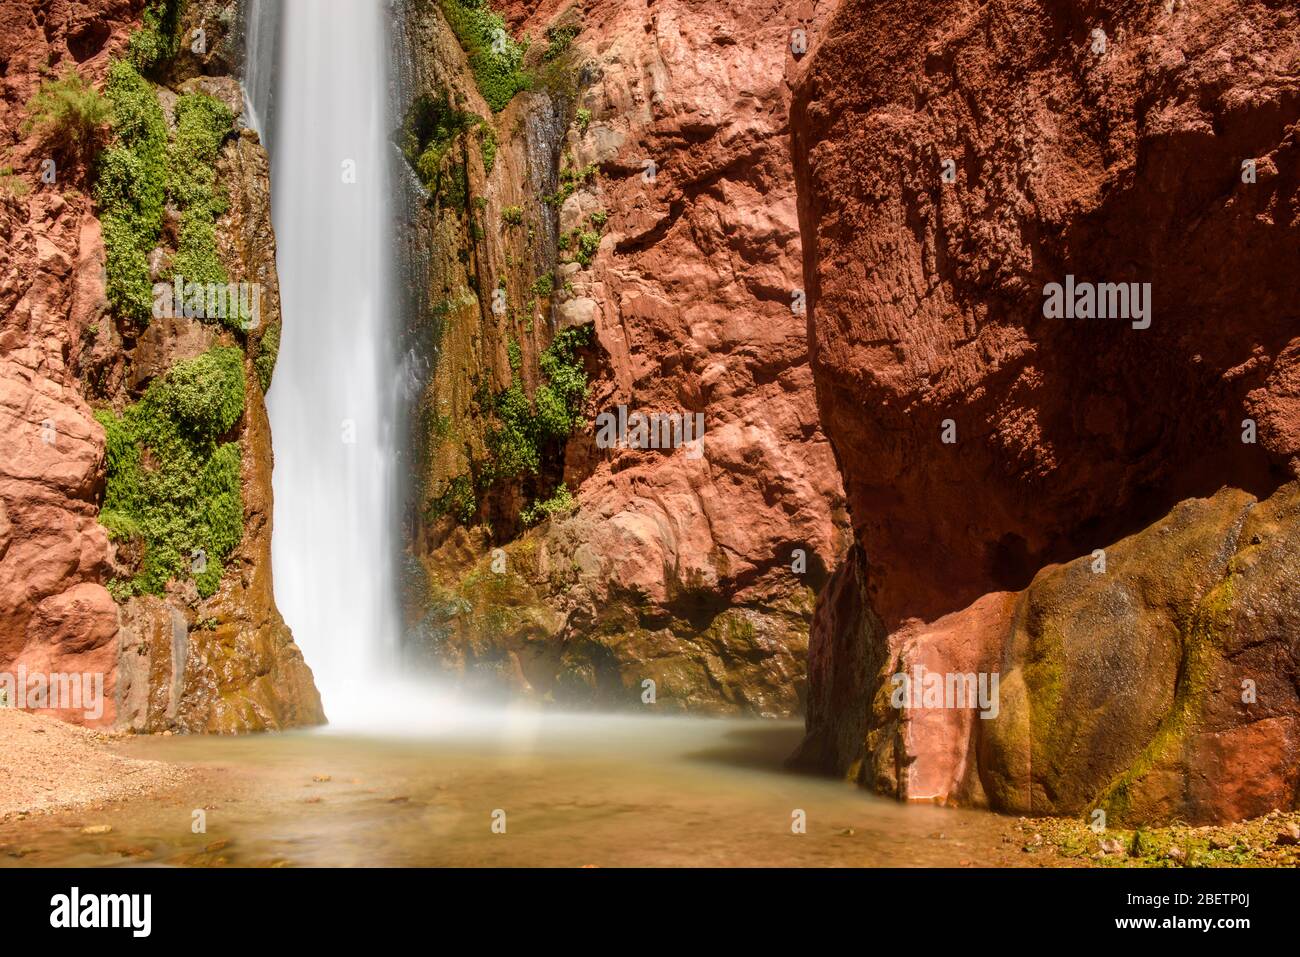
column 674, row 567
column 952, row 161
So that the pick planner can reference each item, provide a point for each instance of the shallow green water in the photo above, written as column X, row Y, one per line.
column 575, row 791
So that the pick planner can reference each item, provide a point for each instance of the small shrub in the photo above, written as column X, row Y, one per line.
column 570, row 180
column 558, row 40
column 513, row 215
column 544, row 285
column 11, row 184
column 584, row 119
column 588, row 244
column 68, row 114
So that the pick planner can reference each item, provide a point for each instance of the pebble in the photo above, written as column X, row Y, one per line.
column 98, row 829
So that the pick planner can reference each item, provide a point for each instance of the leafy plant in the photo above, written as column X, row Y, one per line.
column 494, row 56
column 558, row 40
column 202, row 123
column 268, row 350
column 11, row 184
column 173, row 483
column 131, row 189
column 158, row 38
column 429, row 130
column 588, row 243
column 560, row 503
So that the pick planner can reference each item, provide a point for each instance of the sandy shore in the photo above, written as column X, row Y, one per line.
column 47, row 765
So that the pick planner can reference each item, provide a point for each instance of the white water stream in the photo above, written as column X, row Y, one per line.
column 332, row 400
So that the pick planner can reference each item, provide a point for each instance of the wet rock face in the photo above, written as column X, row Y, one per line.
column 692, row 568
column 1159, row 688
column 952, row 164
column 227, row 663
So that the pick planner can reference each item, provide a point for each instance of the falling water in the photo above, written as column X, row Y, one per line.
column 332, row 401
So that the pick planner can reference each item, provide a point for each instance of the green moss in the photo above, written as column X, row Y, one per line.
column 494, row 56
column 1202, row 636
column 488, row 147
column 173, row 483
column 544, row 285
column 268, row 350
column 430, row 130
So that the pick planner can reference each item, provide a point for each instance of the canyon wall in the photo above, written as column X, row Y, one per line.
column 634, row 205
column 1099, row 510
column 201, row 648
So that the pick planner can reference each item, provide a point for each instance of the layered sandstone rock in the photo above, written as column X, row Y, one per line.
column 952, row 162
column 694, row 570
column 227, row 663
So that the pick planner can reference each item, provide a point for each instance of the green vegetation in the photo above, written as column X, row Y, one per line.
column 584, row 119
column 132, row 190
column 588, row 243
column 570, row 180
column 140, row 172
column 158, row 38
column 561, row 503
column 494, row 56
column 268, row 350
column 488, row 147
column 522, row 431
column 544, row 285
column 11, row 184
column 429, row 131
column 599, row 218
column 68, row 114
column 558, row 40
column 202, row 124
column 513, row 215
column 173, row 484
column 456, row 500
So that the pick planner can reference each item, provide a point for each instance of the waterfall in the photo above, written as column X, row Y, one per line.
column 333, row 398
column 261, row 30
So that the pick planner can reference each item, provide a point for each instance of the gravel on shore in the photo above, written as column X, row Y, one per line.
column 48, row 765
